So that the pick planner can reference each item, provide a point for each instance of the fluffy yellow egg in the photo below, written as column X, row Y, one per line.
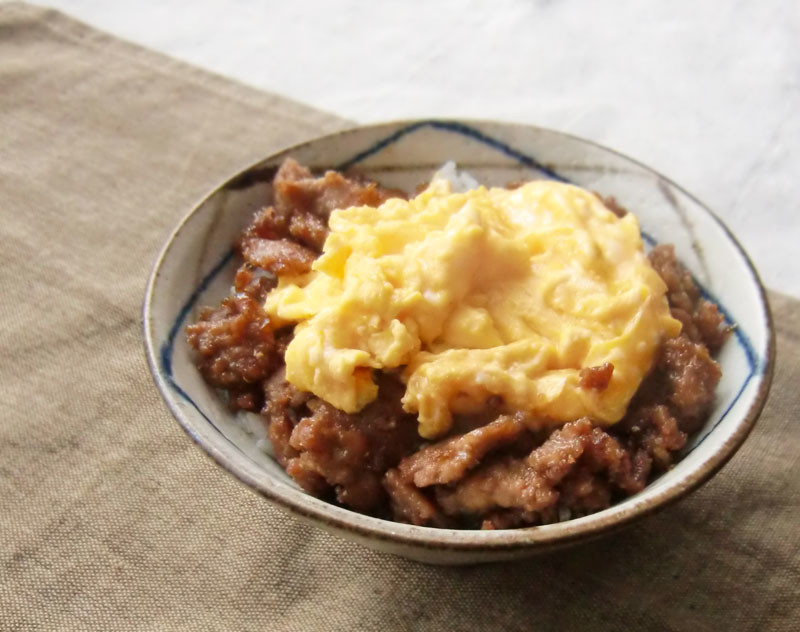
column 491, row 292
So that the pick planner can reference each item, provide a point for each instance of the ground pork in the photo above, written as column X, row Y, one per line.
column 448, row 460
column 701, row 319
column 351, row 453
column 235, row 347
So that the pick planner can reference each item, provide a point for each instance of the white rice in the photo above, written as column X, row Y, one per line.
column 460, row 181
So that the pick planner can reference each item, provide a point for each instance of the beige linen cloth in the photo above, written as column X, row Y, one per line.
column 111, row 518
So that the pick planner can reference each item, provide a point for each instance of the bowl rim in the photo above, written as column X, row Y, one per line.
column 542, row 537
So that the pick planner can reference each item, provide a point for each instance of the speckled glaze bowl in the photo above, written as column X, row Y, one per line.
column 196, row 267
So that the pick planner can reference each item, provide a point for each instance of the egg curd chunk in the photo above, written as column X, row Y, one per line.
column 491, row 292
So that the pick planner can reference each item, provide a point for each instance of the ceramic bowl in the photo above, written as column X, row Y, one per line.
column 196, row 266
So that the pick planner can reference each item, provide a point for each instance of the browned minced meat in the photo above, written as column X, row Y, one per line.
column 655, row 431
column 582, row 492
column 351, row 453
column 279, row 256
column 448, row 460
column 235, row 349
column 596, row 377
column 251, row 282
column 410, row 504
column 530, row 485
column 496, row 470
column 284, row 404
column 285, row 237
column 297, row 190
column 691, row 375
column 702, row 321
column 309, row 230
column 524, row 484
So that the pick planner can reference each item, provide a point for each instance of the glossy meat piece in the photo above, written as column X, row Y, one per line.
column 448, row 460
column 278, row 256
column 352, row 452
column 235, row 349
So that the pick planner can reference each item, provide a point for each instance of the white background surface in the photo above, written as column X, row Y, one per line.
column 707, row 92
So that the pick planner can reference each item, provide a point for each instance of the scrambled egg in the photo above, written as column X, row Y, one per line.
column 491, row 292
